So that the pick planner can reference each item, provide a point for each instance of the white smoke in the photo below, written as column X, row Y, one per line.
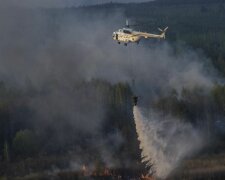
column 165, row 142
column 38, row 48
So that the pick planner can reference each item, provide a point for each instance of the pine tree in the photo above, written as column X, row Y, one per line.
column 6, row 152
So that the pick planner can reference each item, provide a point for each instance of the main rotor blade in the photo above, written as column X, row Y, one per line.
column 127, row 23
column 160, row 29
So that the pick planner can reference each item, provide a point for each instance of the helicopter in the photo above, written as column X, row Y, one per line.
column 128, row 35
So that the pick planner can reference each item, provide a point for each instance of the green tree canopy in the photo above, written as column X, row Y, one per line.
column 25, row 143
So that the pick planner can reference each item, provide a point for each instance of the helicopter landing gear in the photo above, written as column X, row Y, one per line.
column 118, row 42
column 125, row 44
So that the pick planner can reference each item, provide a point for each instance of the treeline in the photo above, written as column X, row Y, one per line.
column 199, row 24
column 205, row 111
column 57, row 143
column 23, row 136
column 169, row 2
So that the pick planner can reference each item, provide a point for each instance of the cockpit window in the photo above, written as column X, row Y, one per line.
column 126, row 31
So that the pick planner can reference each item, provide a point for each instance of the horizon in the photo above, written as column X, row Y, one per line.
column 64, row 3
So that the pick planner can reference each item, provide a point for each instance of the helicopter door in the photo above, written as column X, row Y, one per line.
column 116, row 36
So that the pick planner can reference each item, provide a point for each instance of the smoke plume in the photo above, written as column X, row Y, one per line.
column 60, row 48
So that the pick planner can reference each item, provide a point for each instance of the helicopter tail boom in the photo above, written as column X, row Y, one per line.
column 148, row 35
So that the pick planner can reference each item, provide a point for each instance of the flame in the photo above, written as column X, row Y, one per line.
column 146, row 177
column 84, row 170
column 106, row 172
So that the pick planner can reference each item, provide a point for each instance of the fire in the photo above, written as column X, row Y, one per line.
column 85, row 171
column 146, row 177
column 107, row 172
column 115, row 173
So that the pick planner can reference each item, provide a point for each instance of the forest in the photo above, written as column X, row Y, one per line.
column 39, row 133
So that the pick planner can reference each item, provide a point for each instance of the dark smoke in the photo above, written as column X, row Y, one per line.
column 59, row 49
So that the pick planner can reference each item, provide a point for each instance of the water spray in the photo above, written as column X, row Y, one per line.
column 164, row 142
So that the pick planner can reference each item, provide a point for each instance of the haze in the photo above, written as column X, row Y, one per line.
column 63, row 3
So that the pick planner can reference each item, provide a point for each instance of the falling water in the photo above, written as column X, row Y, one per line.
column 165, row 141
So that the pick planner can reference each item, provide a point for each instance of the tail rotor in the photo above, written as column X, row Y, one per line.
column 163, row 35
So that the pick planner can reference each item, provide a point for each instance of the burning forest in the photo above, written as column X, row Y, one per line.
column 76, row 105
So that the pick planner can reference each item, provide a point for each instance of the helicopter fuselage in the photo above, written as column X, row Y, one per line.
column 127, row 35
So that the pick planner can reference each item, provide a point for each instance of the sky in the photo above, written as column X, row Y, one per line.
column 64, row 3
